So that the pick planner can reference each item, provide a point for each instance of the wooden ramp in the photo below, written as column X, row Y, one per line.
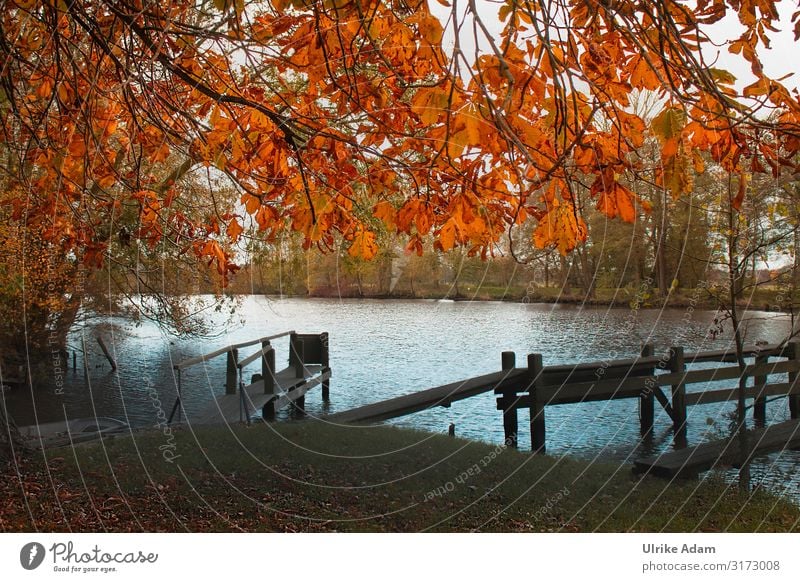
column 690, row 461
column 288, row 388
column 438, row 396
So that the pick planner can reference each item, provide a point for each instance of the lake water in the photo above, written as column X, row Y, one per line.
column 385, row 348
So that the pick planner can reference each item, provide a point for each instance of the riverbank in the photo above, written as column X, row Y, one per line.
column 760, row 300
column 310, row 476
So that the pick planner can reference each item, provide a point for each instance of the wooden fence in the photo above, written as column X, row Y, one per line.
column 643, row 378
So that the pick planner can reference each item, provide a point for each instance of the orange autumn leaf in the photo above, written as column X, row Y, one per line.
column 643, row 76
column 384, row 211
column 363, row 245
column 234, row 230
column 447, row 235
column 251, row 203
column 615, row 200
column 319, row 112
column 560, row 228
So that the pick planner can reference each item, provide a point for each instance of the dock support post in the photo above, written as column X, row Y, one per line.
column 231, row 371
column 297, row 355
column 325, row 353
column 106, row 352
column 647, row 400
column 508, row 360
column 538, row 430
column 297, row 346
column 179, row 401
column 760, row 404
column 85, row 357
column 794, row 381
column 677, row 363
column 510, row 420
column 268, row 375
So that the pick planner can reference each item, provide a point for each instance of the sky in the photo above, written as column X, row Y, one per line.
column 782, row 58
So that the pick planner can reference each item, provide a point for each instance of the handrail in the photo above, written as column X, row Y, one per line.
column 588, row 366
column 722, row 355
column 199, row 359
column 697, row 357
column 253, row 357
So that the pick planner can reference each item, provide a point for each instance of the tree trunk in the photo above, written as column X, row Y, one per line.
column 735, row 288
column 546, row 271
column 564, row 274
column 587, row 273
column 660, row 249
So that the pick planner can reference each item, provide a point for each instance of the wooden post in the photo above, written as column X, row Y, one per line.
column 538, row 430
column 297, row 346
column 106, row 352
column 794, row 380
column 268, row 374
column 268, row 368
column 760, row 404
column 510, row 420
column 677, row 364
column 85, row 356
column 325, row 357
column 231, row 371
column 179, row 401
column 647, row 400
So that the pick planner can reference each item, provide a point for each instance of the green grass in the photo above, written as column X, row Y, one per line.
column 308, row 476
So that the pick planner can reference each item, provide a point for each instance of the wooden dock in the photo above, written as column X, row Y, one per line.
column 691, row 461
column 534, row 387
column 430, row 398
column 269, row 391
column 644, row 378
column 287, row 389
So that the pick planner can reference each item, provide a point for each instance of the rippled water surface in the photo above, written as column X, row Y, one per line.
column 380, row 349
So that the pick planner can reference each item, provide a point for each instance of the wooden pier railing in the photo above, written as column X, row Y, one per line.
column 272, row 389
column 644, row 377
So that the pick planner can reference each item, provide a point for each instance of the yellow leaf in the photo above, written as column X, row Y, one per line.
column 669, row 123
column 722, row 76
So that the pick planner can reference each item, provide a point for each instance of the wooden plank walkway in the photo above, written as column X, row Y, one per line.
column 690, row 461
column 438, row 396
column 227, row 407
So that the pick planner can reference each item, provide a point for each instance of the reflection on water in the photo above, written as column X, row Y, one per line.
column 380, row 349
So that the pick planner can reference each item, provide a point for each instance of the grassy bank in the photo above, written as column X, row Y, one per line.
column 312, row 477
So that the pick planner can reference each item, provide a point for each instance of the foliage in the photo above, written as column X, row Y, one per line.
column 305, row 106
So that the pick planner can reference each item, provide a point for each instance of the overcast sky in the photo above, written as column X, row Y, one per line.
column 782, row 58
